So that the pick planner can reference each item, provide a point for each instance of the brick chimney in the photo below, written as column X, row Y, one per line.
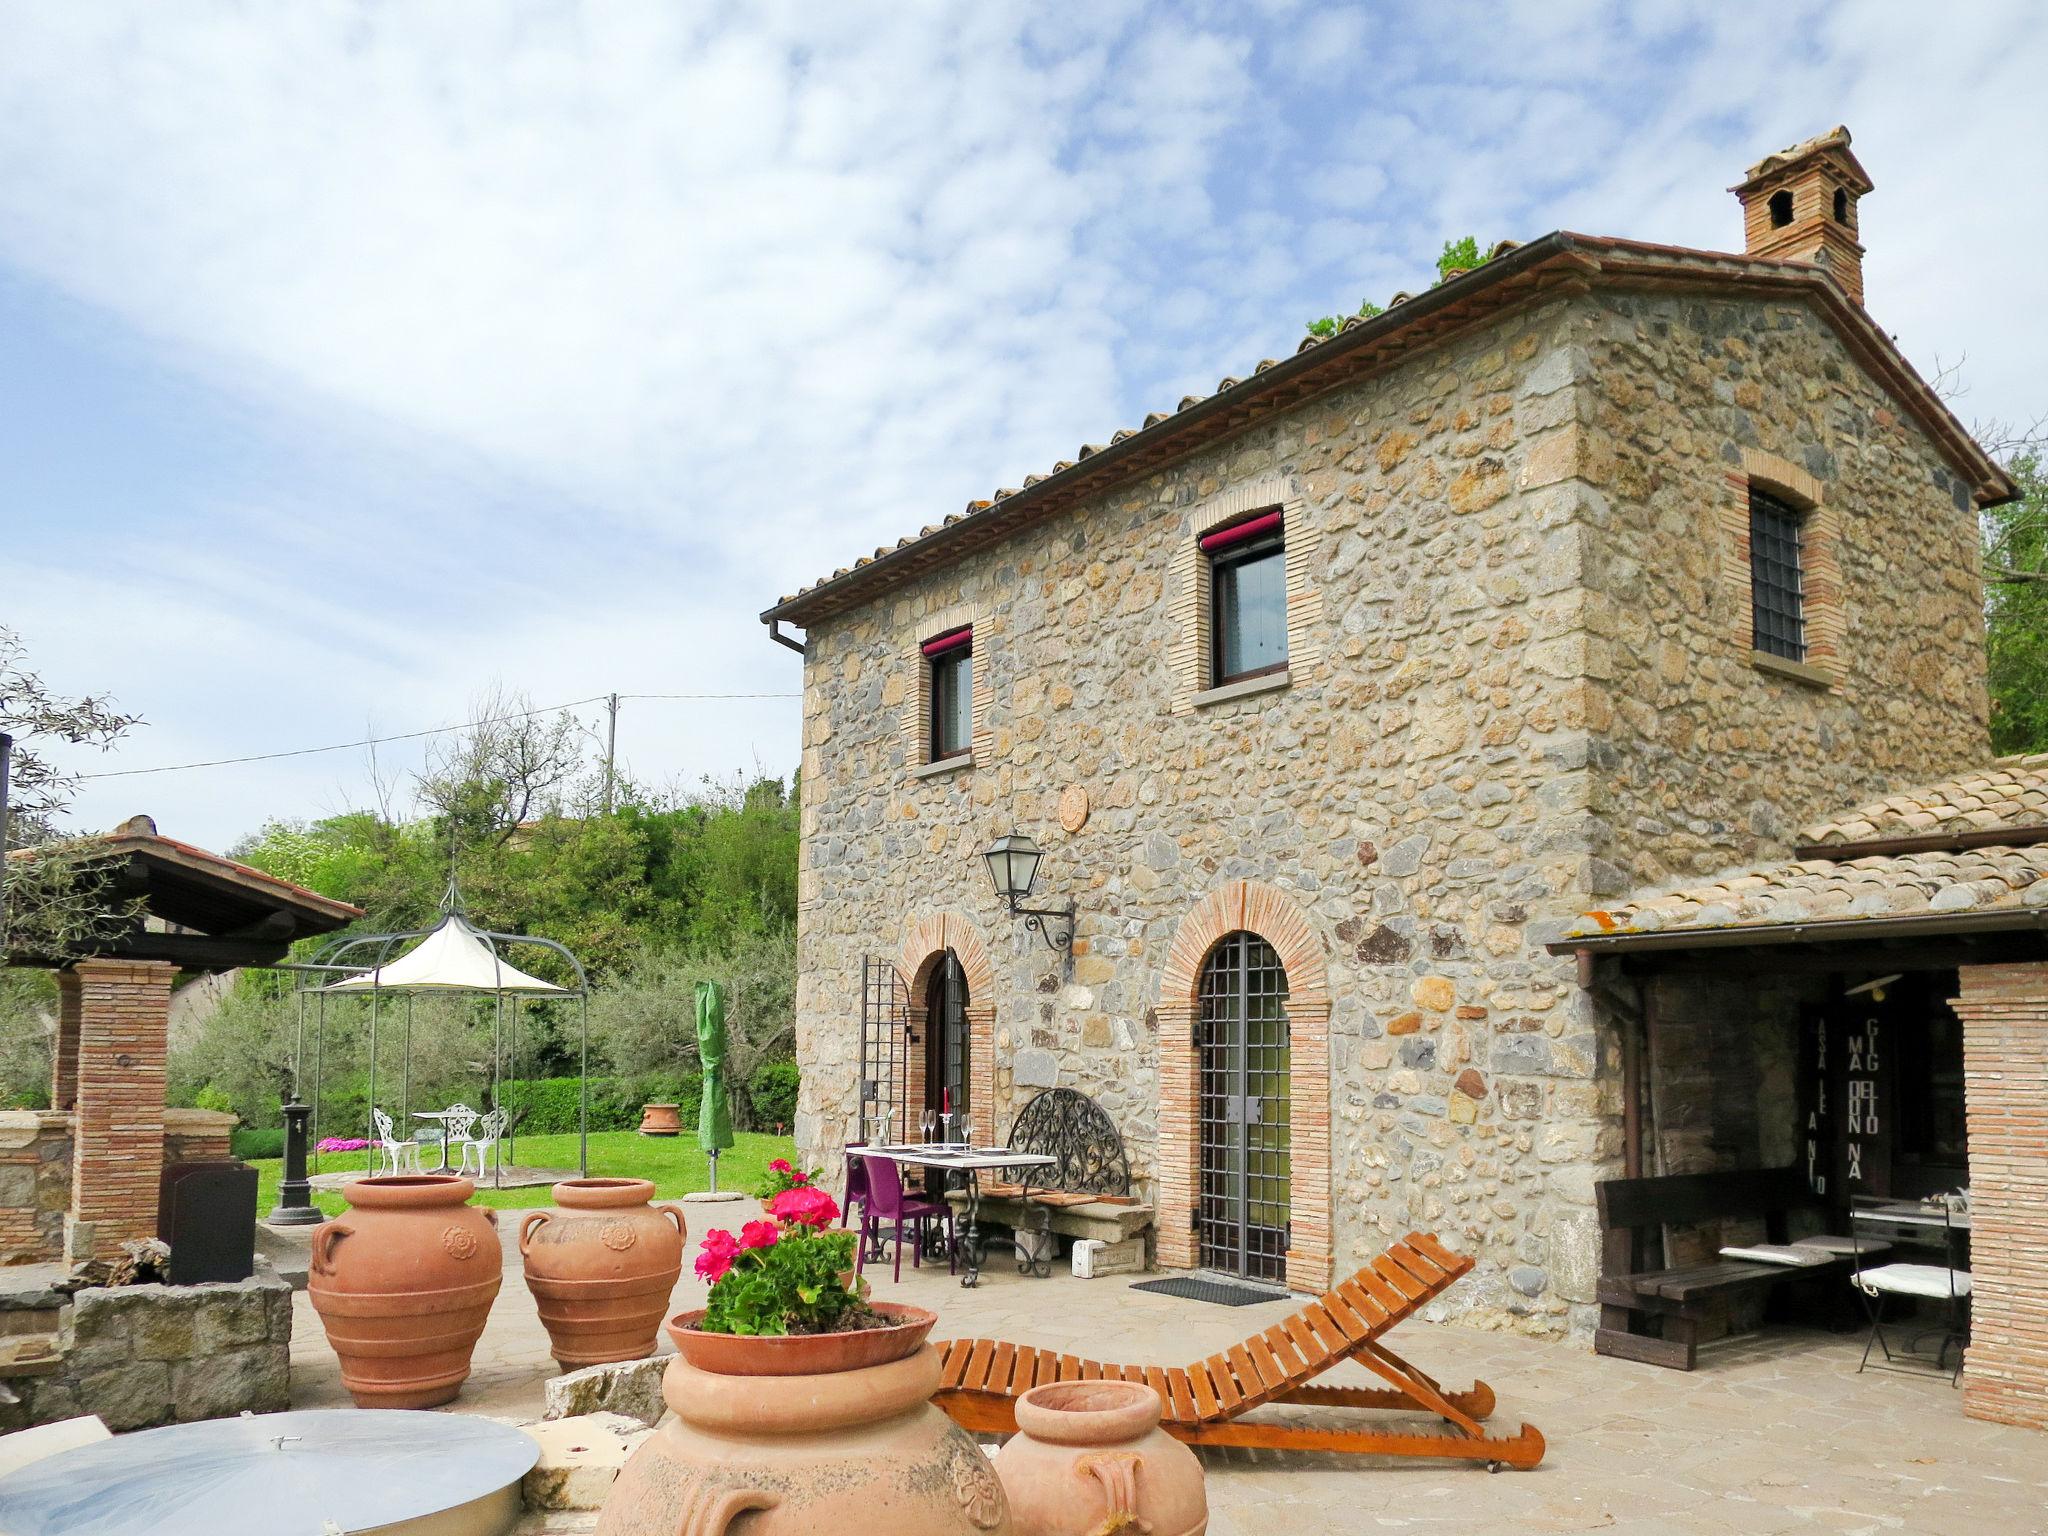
column 1800, row 205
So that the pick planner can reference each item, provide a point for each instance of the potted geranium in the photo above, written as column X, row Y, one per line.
column 785, row 1299
column 799, row 1404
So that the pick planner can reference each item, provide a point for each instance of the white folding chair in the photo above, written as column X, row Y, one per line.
column 401, row 1156
column 1942, row 1282
column 487, row 1131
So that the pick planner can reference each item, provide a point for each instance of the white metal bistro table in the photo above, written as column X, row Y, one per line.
column 968, row 1162
column 442, row 1116
column 1948, row 1231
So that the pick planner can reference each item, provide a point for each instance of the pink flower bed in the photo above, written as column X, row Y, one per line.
column 341, row 1144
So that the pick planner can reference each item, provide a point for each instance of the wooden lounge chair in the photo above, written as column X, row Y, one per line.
column 1206, row 1402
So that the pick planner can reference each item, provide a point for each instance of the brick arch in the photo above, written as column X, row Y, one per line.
column 1250, row 906
column 923, row 943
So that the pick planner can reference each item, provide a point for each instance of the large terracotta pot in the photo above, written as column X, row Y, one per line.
column 660, row 1120
column 601, row 1268
column 1090, row 1456
column 403, row 1284
column 851, row 1453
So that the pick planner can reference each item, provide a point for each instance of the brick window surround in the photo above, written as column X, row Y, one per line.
column 1188, row 605
column 1820, row 565
column 2004, row 1009
column 924, row 946
column 917, row 709
column 1253, row 907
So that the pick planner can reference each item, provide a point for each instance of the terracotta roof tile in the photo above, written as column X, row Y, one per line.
column 1824, row 890
column 2010, row 794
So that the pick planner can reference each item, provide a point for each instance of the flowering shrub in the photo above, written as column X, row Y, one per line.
column 782, row 1178
column 341, row 1144
column 789, row 1275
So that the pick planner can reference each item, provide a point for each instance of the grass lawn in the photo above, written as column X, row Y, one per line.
column 673, row 1162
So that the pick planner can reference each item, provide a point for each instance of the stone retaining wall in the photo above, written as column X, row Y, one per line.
column 141, row 1355
column 36, row 1164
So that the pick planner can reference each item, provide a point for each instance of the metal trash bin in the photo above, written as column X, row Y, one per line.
column 207, row 1213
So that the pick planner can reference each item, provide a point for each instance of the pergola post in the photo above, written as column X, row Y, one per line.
column 117, row 1159
column 2004, row 1009
column 64, row 1048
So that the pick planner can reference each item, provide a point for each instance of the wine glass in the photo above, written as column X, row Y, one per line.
column 925, row 1123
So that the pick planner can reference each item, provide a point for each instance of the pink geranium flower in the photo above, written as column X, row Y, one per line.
column 760, row 1234
column 719, row 1250
column 804, row 1207
column 780, row 1165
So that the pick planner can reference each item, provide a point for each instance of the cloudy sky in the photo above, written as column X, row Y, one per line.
column 357, row 358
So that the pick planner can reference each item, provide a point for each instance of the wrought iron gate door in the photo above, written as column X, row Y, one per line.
column 1246, row 1111
column 945, row 1061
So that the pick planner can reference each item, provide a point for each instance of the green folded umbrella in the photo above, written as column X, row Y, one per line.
column 714, row 1114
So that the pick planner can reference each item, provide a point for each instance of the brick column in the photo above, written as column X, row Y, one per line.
column 117, row 1158
column 2004, row 1009
column 64, row 1049
column 1179, row 1171
column 981, row 1057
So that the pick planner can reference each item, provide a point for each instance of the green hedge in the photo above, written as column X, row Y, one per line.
column 550, row 1103
column 774, row 1093
column 244, row 1142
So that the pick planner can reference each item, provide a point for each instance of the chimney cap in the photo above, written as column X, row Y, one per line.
column 1834, row 145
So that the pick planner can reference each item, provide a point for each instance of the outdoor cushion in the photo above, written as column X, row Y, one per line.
column 1827, row 1243
column 1913, row 1280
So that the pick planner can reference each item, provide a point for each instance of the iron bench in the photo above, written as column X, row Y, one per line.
column 1654, row 1315
column 1087, row 1191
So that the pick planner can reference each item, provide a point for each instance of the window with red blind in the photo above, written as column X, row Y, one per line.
column 1247, row 598
column 951, row 659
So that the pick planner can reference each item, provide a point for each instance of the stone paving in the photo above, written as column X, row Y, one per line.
column 1774, row 1433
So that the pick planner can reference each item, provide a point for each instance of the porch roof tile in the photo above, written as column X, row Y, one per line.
column 1999, row 878
column 2006, row 795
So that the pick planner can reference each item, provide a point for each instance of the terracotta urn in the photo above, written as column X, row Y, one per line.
column 660, row 1120
column 403, row 1284
column 854, row 1452
column 1089, row 1456
column 601, row 1267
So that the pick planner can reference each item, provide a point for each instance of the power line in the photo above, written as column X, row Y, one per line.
column 437, row 730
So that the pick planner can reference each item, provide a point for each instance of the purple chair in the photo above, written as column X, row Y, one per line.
column 856, row 1184
column 888, row 1206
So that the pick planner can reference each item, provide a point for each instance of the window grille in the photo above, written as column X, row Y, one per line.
column 1246, row 1163
column 1775, row 582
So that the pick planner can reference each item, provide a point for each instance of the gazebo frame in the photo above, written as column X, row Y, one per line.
column 360, row 955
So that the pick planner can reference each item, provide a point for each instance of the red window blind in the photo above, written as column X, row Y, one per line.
column 951, row 640
column 1238, row 533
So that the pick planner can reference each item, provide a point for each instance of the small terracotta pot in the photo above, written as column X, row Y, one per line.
column 601, row 1268
column 802, row 1354
column 852, row 1453
column 404, row 1284
column 660, row 1120
column 1089, row 1456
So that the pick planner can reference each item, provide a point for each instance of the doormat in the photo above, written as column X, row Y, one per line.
column 1224, row 1293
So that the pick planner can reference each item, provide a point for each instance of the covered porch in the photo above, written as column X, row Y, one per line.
column 1873, row 1014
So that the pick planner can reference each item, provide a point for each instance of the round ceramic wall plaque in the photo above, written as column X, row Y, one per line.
column 1073, row 807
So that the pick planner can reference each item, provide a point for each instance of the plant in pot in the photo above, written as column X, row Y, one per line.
column 800, row 1402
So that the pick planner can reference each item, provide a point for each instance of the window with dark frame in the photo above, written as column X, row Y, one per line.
column 1247, row 599
column 951, row 659
column 1777, row 603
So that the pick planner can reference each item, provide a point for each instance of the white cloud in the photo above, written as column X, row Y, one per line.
column 609, row 306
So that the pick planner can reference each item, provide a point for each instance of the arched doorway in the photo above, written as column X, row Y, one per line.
column 1246, row 1109
column 946, row 1045
column 1246, row 951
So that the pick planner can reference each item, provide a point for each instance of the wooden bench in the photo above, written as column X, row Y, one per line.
column 1087, row 1191
column 1653, row 1314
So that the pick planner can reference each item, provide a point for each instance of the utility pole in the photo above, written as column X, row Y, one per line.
column 611, row 742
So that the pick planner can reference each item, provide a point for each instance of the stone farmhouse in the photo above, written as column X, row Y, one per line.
column 1367, row 708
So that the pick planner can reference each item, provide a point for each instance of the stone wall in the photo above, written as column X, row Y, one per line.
column 35, row 1184
column 1523, row 700
column 140, row 1355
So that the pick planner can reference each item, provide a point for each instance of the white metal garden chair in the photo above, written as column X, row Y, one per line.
column 486, row 1133
column 393, row 1155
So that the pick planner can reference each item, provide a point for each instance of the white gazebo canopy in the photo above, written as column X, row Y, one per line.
column 453, row 958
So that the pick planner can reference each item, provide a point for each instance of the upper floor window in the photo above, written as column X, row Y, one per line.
column 951, row 659
column 1776, row 578
column 1247, row 598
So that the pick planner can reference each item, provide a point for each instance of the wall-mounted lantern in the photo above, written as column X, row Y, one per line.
column 1013, row 862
